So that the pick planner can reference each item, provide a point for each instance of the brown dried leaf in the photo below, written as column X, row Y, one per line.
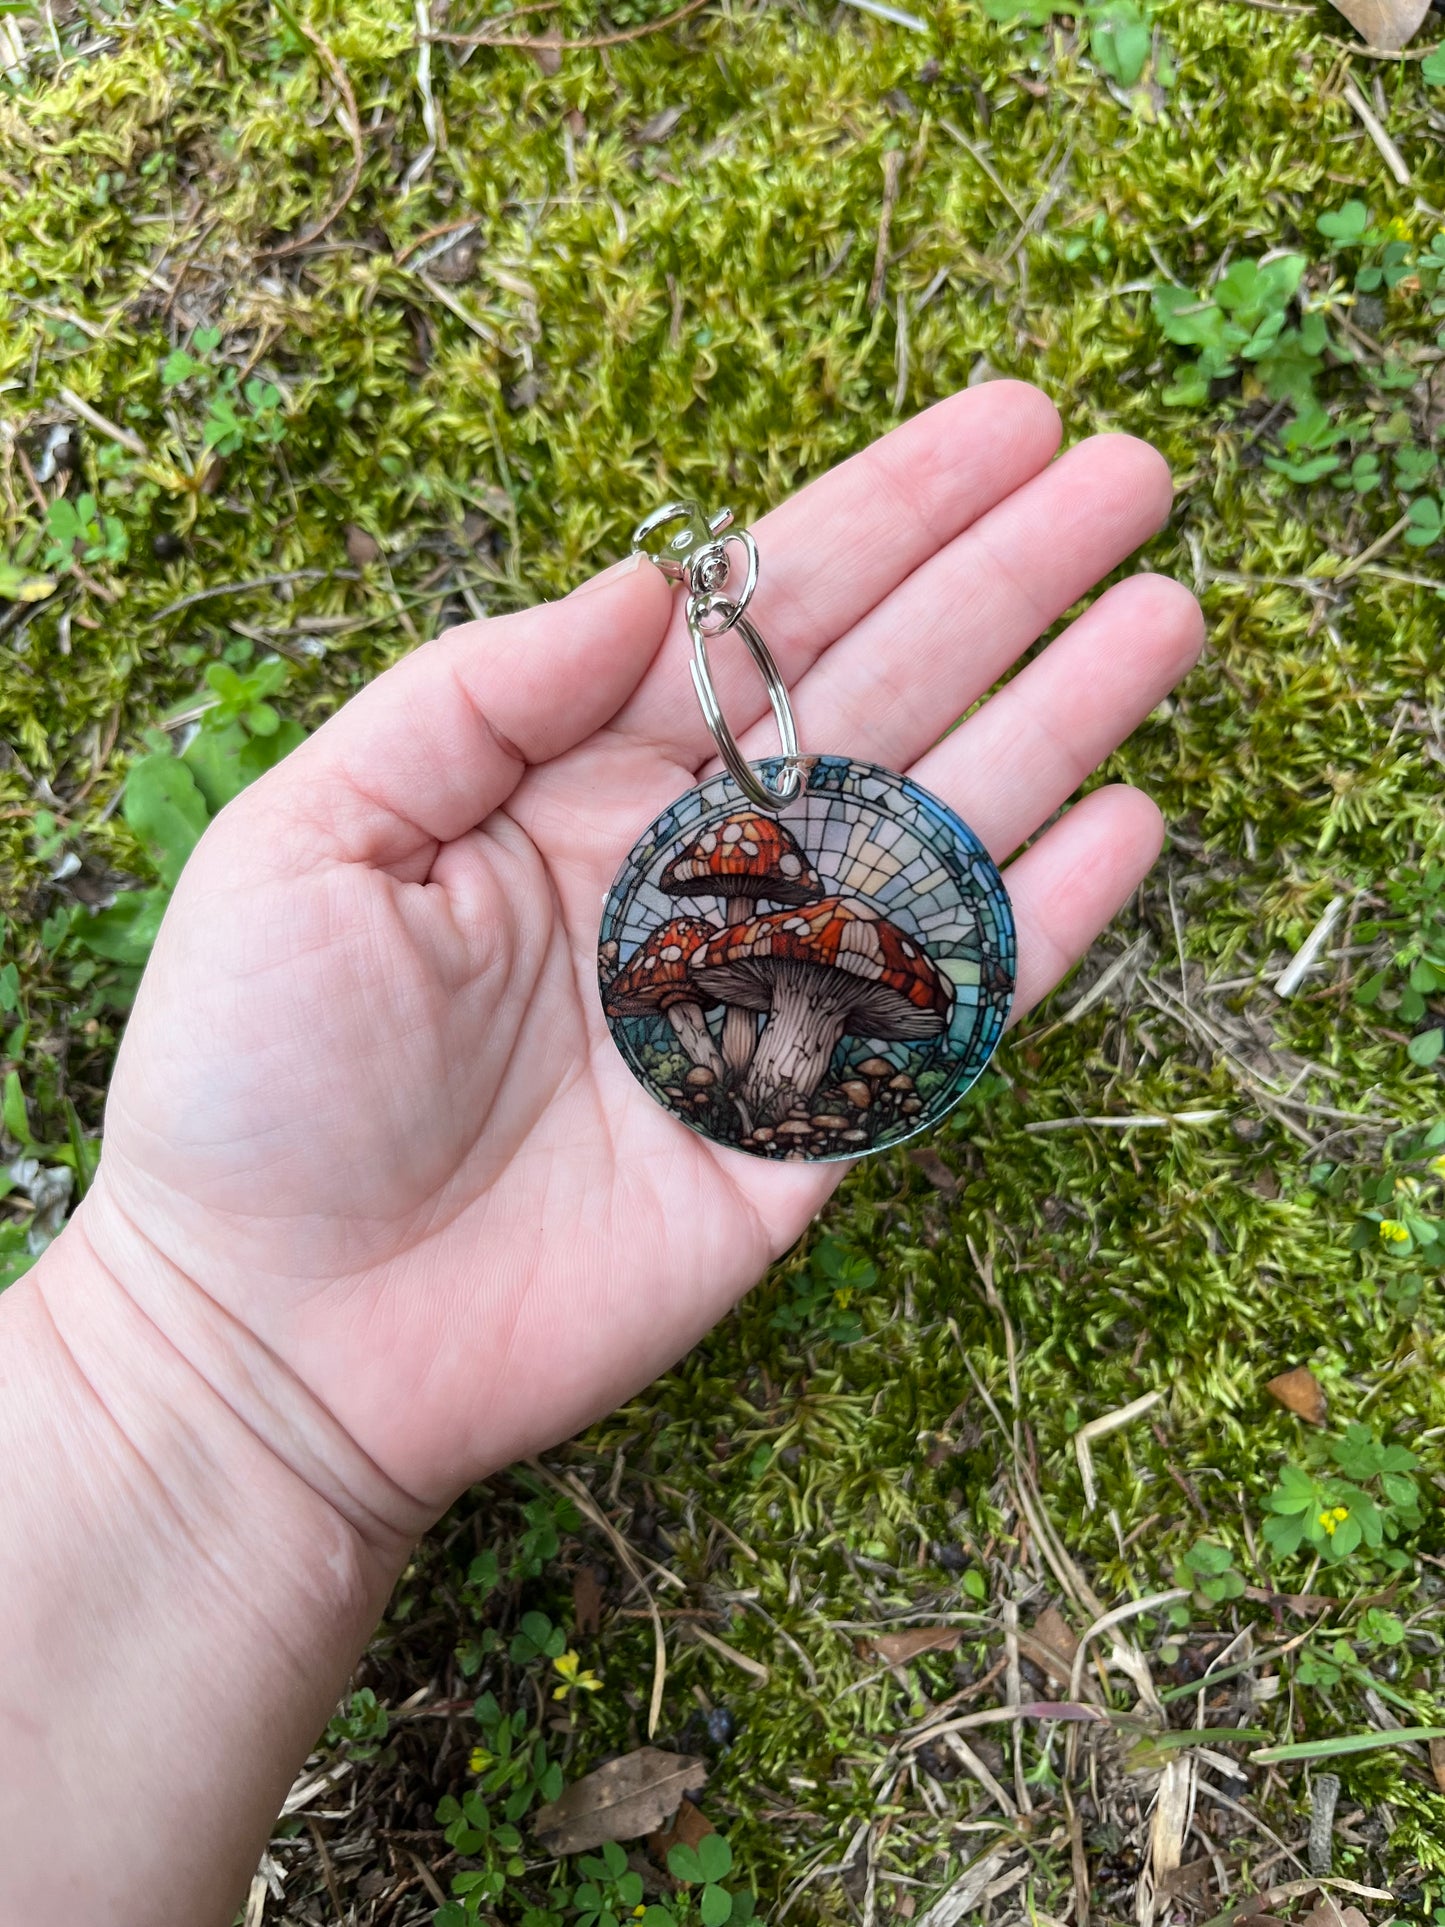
column 935, row 1170
column 1437, row 1762
column 896, row 1649
column 1326, row 1913
column 1300, row 1392
column 361, row 546
column 1050, row 1643
column 620, row 1801
column 1387, row 24
column 688, row 1825
column 587, row 1600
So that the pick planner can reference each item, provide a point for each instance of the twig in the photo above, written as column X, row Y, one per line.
column 1147, row 1119
column 574, row 1489
column 358, row 153
column 1100, row 1428
column 1377, row 547
column 900, row 387
column 892, row 170
column 450, row 302
column 101, row 423
column 255, row 582
column 427, row 1878
column 328, row 1872
column 881, row 11
column 1307, row 956
column 969, row 148
column 1131, row 1609
column 434, row 234
column 1375, row 128
column 536, row 43
column 1040, row 212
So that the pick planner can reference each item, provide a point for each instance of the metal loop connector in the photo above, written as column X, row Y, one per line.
column 695, row 554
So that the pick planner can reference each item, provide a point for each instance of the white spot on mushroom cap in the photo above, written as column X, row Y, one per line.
column 671, row 953
column 789, row 864
column 731, row 834
column 748, row 847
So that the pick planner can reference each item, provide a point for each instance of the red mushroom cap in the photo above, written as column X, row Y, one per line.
column 745, row 855
column 896, row 992
column 658, row 974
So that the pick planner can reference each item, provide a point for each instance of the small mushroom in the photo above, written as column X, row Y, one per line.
column 858, row 1092
column 875, row 1067
column 700, row 1078
column 658, row 978
column 829, row 1121
column 830, row 967
column 741, row 859
column 903, row 1082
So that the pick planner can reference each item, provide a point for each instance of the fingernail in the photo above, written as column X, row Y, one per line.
column 629, row 565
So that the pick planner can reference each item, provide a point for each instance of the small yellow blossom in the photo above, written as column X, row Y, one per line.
column 843, row 1297
column 1437, row 1165
column 1342, row 1512
column 1393, row 1232
column 1398, row 228
column 480, row 1760
column 1328, row 1521
column 573, row 1673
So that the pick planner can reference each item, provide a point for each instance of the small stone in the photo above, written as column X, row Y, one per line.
column 763, row 1134
column 700, row 1077
column 855, row 1137
column 829, row 1121
column 875, row 1067
column 858, row 1093
column 671, row 1090
column 911, row 1106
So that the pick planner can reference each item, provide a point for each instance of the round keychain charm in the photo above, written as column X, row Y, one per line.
column 809, row 958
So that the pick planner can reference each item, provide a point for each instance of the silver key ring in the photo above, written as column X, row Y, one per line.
column 695, row 555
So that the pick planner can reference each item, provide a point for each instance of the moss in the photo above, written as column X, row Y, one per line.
column 629, row 314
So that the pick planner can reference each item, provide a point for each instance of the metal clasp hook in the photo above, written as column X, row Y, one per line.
column 695, row 555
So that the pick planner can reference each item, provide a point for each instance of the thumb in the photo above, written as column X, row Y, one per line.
column 438, row 742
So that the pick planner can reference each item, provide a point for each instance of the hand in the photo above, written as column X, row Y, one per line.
column 367, row 1104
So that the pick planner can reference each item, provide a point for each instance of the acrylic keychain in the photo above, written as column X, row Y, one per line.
column 808, row 957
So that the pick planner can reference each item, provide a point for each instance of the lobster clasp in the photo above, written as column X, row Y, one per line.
column 685, row 544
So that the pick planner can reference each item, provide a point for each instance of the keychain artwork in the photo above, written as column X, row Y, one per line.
column 809, row 957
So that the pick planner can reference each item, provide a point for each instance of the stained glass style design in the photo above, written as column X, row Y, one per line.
column 816, row 985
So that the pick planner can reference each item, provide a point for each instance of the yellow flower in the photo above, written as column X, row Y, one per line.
column 1342, row 1512
column 843, row 1297
column 1437, row 1165
column 480, row 1760
column 1393, row 1232
column 1329, row 1522
column 573, row 1673
column 1398, row 228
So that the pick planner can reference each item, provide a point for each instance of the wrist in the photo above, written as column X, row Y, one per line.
column 191, row 1560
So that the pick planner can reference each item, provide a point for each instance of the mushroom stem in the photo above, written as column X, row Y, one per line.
column 809, row 1010
column 694, row 1036
column 740, row 1027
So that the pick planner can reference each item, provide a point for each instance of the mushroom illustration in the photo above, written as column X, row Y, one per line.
column 658, row 978
column 742, row 859
column 830, row 967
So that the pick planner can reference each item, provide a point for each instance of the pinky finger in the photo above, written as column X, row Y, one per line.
column 1066, row 887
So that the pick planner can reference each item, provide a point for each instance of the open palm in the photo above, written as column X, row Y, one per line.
column 368, row 1103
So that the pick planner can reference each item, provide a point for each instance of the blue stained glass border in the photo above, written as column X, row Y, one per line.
column 870, row 834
